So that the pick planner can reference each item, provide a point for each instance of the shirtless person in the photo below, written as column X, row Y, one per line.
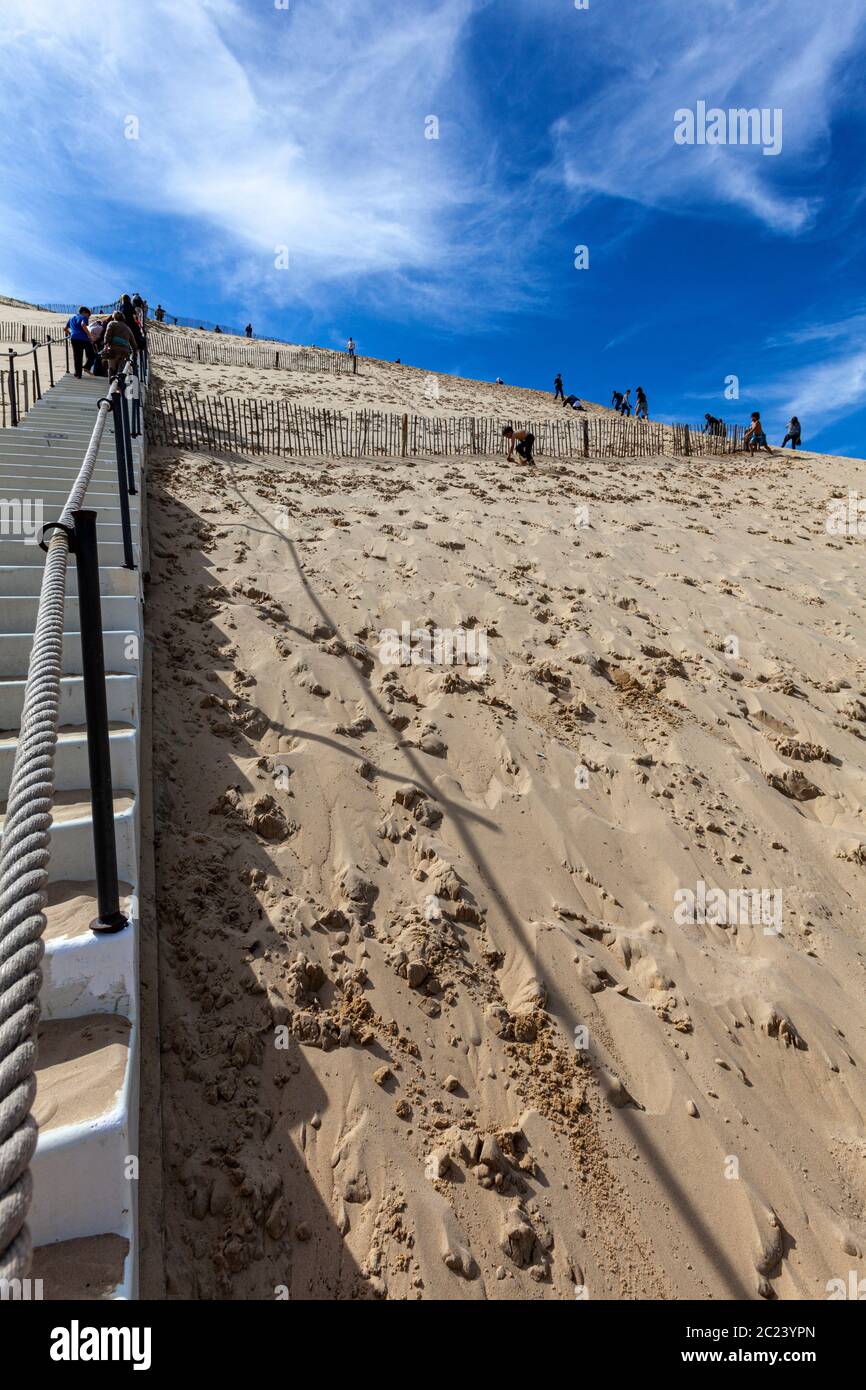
column 754, row 438
column 523, row 440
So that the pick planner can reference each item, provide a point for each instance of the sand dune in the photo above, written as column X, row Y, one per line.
column 533, row 978
column 443, row 1015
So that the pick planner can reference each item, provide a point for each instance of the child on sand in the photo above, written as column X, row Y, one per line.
column 523, row 440
column 793, row 433
column 754, row 438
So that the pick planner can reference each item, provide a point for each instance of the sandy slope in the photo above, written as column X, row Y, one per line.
column 388, row 898
column 432, row 1024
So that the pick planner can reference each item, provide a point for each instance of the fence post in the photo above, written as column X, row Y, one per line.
column 585, row 424
column 687, row 441
column 38, row 395
column 123, row 495
column 354, row 365
column 127, row 435
column 404, row 436
column 13, row 399
column 110, row 918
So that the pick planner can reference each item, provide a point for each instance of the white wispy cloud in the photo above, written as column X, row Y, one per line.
column 265, row 128
column 619, row 140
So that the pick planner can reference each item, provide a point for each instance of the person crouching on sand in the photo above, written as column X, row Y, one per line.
column 522, row 440
column 754, row 438
column 793, row 433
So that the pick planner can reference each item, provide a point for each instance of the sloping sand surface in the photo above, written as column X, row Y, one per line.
column 435, row 1022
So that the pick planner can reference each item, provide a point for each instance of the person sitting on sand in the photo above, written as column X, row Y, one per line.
column 793, row 433
column 499, row 381
column 522, row 440
column 754, row 438
column 217, row 329
column 558, row 393
column 641, row 411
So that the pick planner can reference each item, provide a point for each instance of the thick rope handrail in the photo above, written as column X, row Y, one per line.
column 24, row 876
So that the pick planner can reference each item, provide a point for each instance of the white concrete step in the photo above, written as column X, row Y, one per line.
column 71, row 771
column 122, row 693
column 27, row 579
column 84, row 1214
column 119, row 611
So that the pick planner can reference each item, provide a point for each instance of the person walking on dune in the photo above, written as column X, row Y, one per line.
column 249, row 330
column 616, row 401
column 350, row 347
column 641, row 411
column 558, row 393
column 521, row 440
column 793, row 433
column 160, row 313
column 625, row 408
column 755, row 438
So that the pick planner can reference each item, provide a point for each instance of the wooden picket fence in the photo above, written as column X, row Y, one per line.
column 229, row 424
column 27, row 332
column 239, row 355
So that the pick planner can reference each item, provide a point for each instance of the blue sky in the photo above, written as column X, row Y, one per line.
column 304, row 127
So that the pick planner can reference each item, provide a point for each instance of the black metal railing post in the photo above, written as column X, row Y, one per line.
column 66, row 345
column 50, row 363
column 36, row 369
column 123, row 494
column 127, row 435
column 13, row 399
column 110, row 918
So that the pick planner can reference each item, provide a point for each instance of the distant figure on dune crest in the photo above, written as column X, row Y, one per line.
column 249, row 330
column 217, row 329
column 559, row 393
column 616, row 400
column 641, row 411
column 713, row 425
column 793, row 433
column 160, row 313
column 137, row 301
column 625, row 408
column 754, row 438
column 522, row 440
column 499, row 381
column 573, row 401
column 350, row 347
column 78, row 333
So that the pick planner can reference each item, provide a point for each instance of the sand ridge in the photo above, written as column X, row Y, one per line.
column 391, row 898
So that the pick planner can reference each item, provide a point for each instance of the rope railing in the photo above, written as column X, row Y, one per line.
column 25, row 851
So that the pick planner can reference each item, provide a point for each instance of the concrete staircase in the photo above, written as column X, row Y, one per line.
column 84, row 1215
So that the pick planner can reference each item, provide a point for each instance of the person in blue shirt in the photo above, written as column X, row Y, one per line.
column 78, row 334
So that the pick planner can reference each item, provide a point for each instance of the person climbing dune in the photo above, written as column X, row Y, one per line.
column 521, row 440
